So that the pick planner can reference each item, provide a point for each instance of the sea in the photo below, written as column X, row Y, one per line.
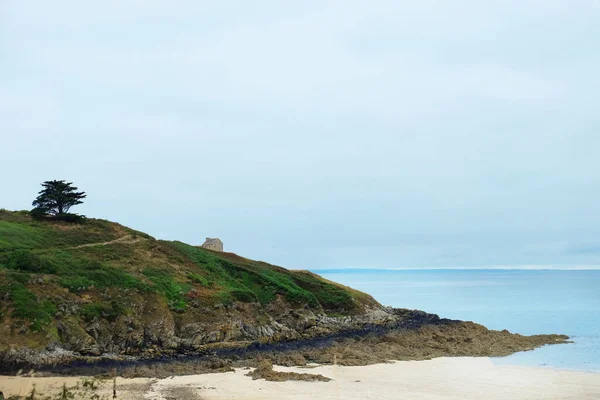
column 523, row 301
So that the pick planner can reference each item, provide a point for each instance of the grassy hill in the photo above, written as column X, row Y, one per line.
column 99, row 286
column 96, row 295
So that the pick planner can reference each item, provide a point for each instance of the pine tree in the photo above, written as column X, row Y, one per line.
column 57, row 198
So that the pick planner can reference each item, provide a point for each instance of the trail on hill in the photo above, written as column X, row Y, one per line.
column 127, row 239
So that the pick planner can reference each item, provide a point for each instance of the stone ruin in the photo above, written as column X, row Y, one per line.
column 213, row 244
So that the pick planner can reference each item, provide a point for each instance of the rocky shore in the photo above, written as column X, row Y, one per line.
column 377, row 336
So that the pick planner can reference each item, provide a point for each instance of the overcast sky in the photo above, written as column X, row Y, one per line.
column 316, row 134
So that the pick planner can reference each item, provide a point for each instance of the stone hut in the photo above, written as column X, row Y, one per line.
column 213, row 244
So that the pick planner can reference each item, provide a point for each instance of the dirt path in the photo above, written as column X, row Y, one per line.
column 127, row 239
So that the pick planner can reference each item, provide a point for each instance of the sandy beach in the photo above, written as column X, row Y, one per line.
column 441, row 378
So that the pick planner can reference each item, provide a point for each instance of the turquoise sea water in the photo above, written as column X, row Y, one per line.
column 522, row 301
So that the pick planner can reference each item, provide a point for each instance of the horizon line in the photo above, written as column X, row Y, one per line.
column 479, row 268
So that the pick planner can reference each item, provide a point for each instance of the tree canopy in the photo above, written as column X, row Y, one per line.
column 57, row 197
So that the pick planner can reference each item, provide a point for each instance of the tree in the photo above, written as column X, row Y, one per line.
column 57, row 198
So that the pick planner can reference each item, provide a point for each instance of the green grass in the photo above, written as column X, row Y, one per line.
column 110, row 311
column 183, row 275
column 42, row 234
column 76, row 269
column 76, row 283
column 19, row 231
column 329, row 295
column 26, row 305
column 25, row 260
column 199, row 279
column 246, row 280
column 173, row 291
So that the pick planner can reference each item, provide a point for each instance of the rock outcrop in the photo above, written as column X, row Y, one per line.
column 377, row 336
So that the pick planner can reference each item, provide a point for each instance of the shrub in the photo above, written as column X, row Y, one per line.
column 172, row 290
column 224, row 297
column 21, row 277
column 103, row 276
column 27, row 306
column 69, row 217
column 329, row 295
column 245, row 296
column 25, row 260
column 195, row 278
column 76, row 283
column 38, row 213
column 111, row 312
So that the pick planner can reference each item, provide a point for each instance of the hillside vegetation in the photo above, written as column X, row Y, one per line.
column 95, row 296
column 98, row 286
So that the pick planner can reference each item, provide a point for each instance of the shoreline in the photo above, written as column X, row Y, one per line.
column 438, row 378
column 421, row 336
column 542, row 367
column 538, row 366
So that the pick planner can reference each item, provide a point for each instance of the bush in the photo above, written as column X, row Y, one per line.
column 68, row 217
column 76, row 283
column 111, row 312
column 21, row 277
column 38, row 213
column 106, row 276
column 172, row 290
column 245, row 296
column 25, row 260
column 195, row 278
column 27, row 306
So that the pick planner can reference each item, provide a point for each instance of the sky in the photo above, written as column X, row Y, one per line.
column 316, row 134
